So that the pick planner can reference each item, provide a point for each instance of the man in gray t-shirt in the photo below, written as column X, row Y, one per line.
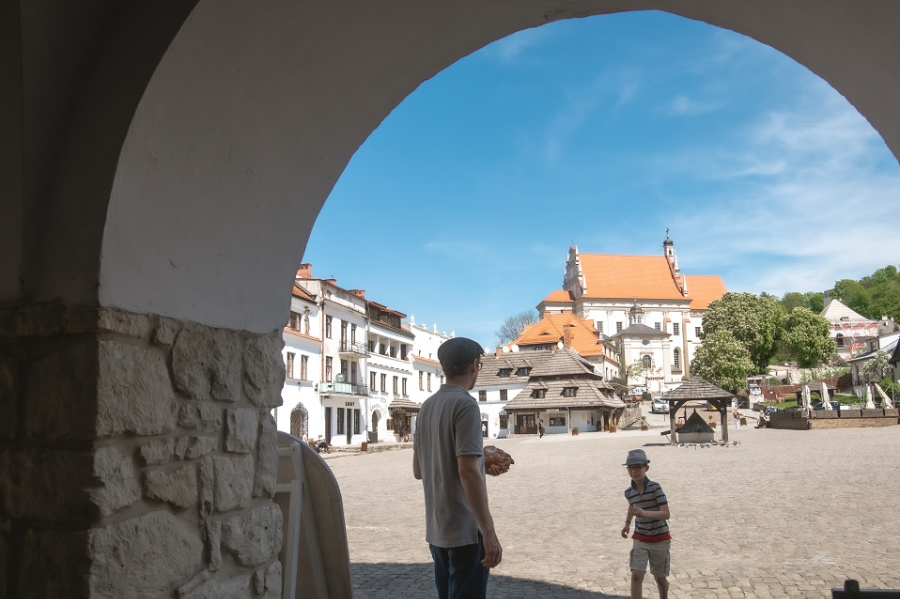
column 448, row 456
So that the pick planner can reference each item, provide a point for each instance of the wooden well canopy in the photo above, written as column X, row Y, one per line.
column 696, row 388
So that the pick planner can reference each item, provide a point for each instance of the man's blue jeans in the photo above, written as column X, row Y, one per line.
column 458, row 572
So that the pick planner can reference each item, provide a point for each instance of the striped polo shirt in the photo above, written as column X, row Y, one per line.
column 652, row 498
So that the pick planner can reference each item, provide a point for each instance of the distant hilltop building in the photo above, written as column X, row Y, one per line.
column 851, row 331
column 644, row 307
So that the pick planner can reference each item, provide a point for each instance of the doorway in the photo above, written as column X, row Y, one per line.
column 526, row 423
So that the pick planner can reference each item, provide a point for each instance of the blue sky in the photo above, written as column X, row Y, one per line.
column 603, row 132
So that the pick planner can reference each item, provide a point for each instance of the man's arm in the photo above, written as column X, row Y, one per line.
column 476, row 493
column 417, row 471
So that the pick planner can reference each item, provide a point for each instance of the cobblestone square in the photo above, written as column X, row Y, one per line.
column 783, row 514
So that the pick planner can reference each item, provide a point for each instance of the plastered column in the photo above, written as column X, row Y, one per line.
column 137, row 456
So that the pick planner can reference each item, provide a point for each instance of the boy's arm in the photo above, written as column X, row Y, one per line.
column 627, row 522
column 657, row 515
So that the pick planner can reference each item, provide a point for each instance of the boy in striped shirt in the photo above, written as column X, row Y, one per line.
column 648, row 505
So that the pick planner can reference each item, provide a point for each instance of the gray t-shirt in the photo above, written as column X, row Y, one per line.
column 449, row 425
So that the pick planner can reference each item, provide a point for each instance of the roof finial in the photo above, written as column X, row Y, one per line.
column 667, row 233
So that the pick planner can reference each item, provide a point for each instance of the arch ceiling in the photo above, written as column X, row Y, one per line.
column 255, row 109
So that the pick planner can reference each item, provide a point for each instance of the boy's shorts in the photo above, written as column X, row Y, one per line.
column 657, row 554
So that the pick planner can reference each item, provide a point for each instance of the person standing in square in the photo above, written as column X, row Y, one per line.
column 649, row 507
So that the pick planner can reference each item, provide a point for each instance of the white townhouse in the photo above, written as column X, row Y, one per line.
column 355, row 371
column 390, row 410
column 302, row 355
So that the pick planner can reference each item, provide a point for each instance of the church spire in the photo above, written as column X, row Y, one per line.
column 674, row 269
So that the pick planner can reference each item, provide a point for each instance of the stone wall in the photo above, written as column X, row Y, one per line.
column 137, row 456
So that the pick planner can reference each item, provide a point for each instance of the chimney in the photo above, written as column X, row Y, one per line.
column 305, row 271
column 498, row 351
column 567, row 336
column 359, row 293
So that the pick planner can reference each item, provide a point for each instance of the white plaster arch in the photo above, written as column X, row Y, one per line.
column 256, row 108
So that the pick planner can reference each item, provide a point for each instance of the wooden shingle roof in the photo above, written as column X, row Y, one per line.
column 696, row 388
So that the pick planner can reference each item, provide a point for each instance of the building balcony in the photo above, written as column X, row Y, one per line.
column 328, row 388
column 353, row 349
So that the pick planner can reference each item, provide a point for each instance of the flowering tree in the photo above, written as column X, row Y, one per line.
column 877, row 367
column 807, row 337
column 752, row 320
column 722, row 360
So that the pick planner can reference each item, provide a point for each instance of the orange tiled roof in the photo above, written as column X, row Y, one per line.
column 558, row 296
column 301, row 293
column 551, row 329
column 703, row 289
column 617, row 276
column 423, row 359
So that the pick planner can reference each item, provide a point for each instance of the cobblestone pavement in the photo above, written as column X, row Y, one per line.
column 784, row 514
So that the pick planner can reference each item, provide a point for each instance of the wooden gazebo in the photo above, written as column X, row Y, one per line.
column 699, row 389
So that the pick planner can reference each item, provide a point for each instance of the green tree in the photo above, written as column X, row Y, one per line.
column 806, row 337
column 815, row 301
column 723, row 361
column 853, row 294
column 512, row 327
column 752, row 320
column 792, row 300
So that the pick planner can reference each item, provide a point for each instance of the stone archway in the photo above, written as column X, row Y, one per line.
column 147, row 250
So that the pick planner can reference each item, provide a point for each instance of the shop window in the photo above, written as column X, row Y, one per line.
column 558, row 421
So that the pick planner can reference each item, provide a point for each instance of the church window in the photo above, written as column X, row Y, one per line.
column 618, row 326
column 657, row 326
column 676, row 328
column 599, row 326
column 697, row 331
column 645, row 360
column 676, row 359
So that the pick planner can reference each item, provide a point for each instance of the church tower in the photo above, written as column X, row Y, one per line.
column 674, row 269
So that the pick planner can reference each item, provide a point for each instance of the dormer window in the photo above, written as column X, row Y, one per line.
column 505, row 372
column 538, row 393
column 523, row 371
column 570, row 392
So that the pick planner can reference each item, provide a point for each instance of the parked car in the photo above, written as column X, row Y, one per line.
column 834, row 405
column 659, row 406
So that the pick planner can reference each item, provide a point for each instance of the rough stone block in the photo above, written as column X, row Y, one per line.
column 143, row 556
column 214, row 542
column 241, row 430
column 178, row 487
column 266, row 458
column 48, row 485
column 190, row 447
column 166, row 331
column 9, row 395
column 207, row 363
column 264, row 370
column 119, row 486
column 207, row 486
column 134, row 393
column 202, row 416
column 61, row 396
column 254, row 536
column 118, row 321
column 234, row 587
column 233, row 483
column 53, row 565
column 267, row 582
column 157, row 452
